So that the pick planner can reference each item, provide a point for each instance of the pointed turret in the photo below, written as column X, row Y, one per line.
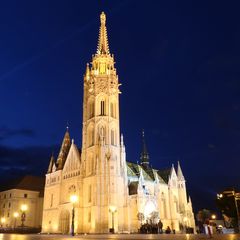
column 63, row 150
column 103, row 47
column 51, row 164
column 87, row 73
column 179, row 173
column 144, row 155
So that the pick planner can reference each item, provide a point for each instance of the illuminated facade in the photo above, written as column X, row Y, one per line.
column 27, row 192
column 111, row 192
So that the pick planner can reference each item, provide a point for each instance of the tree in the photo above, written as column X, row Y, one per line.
column 203, row 216
column 140, row 217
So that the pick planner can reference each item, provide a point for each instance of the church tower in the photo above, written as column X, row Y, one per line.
column 103, row 154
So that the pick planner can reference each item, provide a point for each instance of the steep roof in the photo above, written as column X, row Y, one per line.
column 164, row 174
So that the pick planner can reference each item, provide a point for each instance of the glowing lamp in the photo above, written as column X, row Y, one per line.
column 24, row 207
column 112, row 209
column 16, row 214
column 73, row 198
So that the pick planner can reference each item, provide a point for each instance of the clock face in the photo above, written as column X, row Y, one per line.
column 72, row 189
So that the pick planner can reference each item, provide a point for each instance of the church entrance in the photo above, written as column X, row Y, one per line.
column 64, row 225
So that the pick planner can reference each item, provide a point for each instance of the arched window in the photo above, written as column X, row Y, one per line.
column 112, row 137
column 113, row 109
column 89, row 193
column 90, row 137
column 164, row 207
column 102, row 108
column 91, row 109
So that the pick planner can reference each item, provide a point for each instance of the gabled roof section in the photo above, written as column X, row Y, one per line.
column 66, row 143
column 165, row 174
column 133, row 169
column 160, row 179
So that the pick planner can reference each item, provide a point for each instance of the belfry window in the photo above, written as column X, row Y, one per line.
column 102, row 108
column 112, row 137
column 113, row 110
column 91, row 109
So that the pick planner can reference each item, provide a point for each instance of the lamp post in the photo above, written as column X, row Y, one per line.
column 73, row 200
column 15, row 215
column 112, row 209
column 23, row 215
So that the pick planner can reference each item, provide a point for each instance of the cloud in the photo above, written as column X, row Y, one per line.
column 15, row 162
column 6, row 133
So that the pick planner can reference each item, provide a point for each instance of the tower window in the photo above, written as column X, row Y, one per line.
column 89, row 193
column 102, row 113
column 113, row 110
column 91, row 109
column 112, row 137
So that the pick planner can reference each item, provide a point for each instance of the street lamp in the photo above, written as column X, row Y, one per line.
column 24, row 208
column 112, row 209
column 15, row 215
column 213, row 216
column 73, row 200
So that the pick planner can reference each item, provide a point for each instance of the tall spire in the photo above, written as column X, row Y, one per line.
column 179, row 173
column 63, row 150
column 103, row 47
column 144, row 155
column 51, row 163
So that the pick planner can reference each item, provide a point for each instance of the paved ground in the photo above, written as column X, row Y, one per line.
column 118, row 237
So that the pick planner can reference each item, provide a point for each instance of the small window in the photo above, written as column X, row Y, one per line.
column 9, row 205
column 89, row 216
column 25, row 195
column 8, row 215
column 102, row 113
column 89, row 193
column 4, row 205
column 4, row 195
column 10, row 195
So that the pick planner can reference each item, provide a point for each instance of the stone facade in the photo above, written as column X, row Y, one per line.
column 111, row 192
column 20, row 194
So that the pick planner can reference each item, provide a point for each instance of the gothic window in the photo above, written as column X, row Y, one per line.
column 113, row 109
column 89, row 193
column 51, row 203
column 164, row 212
column 91, row 109
column 90, row 137
column 176, row 204
column 112, row 137
column 102, row 108
column 89, row 216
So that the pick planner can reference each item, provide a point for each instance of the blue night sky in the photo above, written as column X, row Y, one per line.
column 179, row 65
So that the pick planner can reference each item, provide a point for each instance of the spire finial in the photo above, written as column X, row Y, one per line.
column 144, row 155
column 102, row 47
column 103, row 18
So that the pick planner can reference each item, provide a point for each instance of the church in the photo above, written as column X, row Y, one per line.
column 95, row 189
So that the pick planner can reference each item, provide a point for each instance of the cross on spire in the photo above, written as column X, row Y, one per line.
column 103, row 47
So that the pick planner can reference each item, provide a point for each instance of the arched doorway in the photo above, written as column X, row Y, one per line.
column 64, row 224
